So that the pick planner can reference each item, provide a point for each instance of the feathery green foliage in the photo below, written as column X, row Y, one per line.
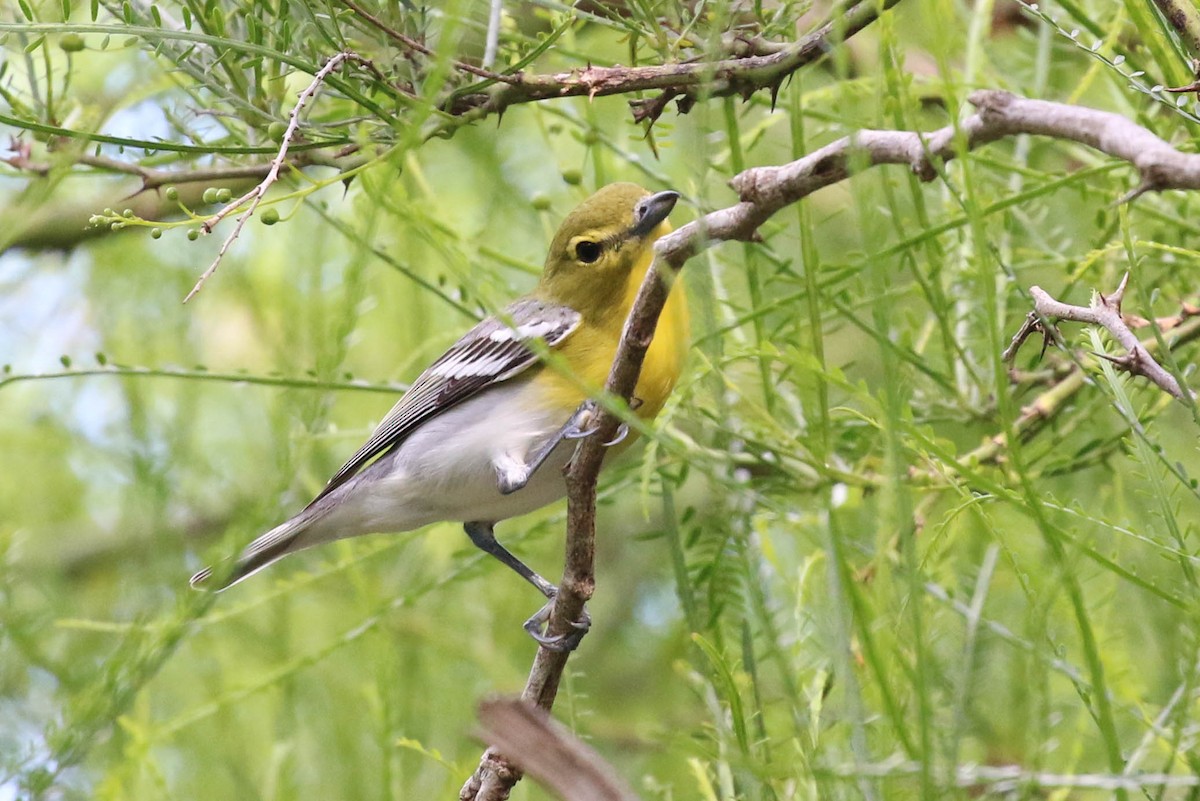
column 844, row 564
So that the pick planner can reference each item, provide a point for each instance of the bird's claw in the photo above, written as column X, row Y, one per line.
column 581, row 423
column 535, row 626
column 575, row 432
column 622, row 433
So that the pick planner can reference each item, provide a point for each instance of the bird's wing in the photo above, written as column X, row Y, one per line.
column 493, row 351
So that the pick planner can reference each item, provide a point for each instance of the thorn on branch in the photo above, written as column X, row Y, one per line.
column 651, row 108
column 1133, row 194
column 1194, row 86
column 1104, row 311
column 1033, row 325
column 1118, row 295
column 774, row 89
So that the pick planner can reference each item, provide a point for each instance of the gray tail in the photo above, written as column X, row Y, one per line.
column 277, row 543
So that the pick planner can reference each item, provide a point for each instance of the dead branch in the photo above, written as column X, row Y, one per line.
column 754, row 64
column 1104, row 311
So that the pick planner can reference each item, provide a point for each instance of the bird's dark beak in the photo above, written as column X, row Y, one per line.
column 651, row 211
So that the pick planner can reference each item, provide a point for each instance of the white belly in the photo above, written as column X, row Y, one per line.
column 445, row 471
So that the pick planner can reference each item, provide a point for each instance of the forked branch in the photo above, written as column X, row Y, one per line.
column 1104, row 311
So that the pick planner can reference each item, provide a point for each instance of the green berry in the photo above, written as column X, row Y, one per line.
column 275, row 131
column 156, row 233
column 270, row 217
column 540, row 202
column 572, row 177
column 172, row 193
column 193, row 235
column 224, row 196
column 210, row 195
column 71, row 43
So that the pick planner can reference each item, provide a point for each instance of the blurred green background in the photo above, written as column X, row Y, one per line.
column 820, row 578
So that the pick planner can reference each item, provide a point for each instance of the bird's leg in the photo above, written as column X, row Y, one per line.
column 484, row 537
column 512, row 475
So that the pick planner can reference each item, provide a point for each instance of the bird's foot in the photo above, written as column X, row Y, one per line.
column 582, row 423
column 559, row 643
column 512, row 475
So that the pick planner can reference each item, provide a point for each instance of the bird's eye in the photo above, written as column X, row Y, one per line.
column 587, row 251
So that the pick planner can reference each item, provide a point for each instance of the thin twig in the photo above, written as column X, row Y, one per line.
column 255, row 195
column 154, row 178
column 1006, row 779
column 412, row 44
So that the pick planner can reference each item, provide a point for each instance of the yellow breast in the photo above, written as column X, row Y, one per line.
column 590, row 350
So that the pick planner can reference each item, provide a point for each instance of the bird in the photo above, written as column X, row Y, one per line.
column 485, row 433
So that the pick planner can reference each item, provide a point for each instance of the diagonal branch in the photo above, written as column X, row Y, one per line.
column 255, row 195
column 763, row 191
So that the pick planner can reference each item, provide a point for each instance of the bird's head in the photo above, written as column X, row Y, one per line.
column 601, row 244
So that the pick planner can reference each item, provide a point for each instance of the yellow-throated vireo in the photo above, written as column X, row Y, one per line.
column 484, row 433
